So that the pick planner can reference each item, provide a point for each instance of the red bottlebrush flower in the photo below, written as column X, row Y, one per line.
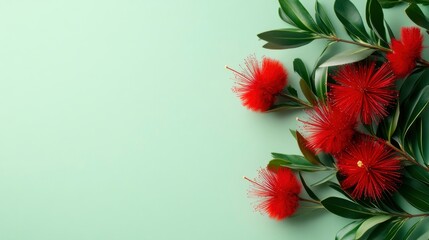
column 406, row 51
column 330, row 129
column 362, row 90
column 370, row 169
column 258, row 84
column 278, row 190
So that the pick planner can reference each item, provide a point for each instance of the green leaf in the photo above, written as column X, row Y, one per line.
column 389, row 30
column 375, row 18
column 370, row 223
column 273, row 46
column 287, row 38
column 306, row 90
column 285, row 106
column 299, row 67
column 394, row 229
column 285, row 18
column 295, row 162
column 325, row 179
column 410, row 84
column 298, row 15
column 418, row 173
column 411, row 230
column 425, row 136
column 416, row 15
column 349, row 16
column 307, row 189
column 308, row 154
column 389, row 3
column 348, row 230
column 413, row 108
column 292, row 91
column 392, row 122
column 321, row 82
column 349, row 56
column 416, row 193
column 345, row 208
column 323, row 20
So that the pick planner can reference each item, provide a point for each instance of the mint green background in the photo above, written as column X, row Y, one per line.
column 117, row 121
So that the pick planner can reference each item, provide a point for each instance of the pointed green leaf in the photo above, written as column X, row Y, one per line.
column 394, row 229
column 425, row 137
column 389, row 3
column 323, row 20
column 413, row 109
column 411, row 229
column 307, row 189
column 416, row 193
column 370, row 223
column 418, row 173
column 292, row 91
column 299, row 15
column 349, row 16
column 348, row 230
column 375, row 18
column 285, row 18
column 321, row 82
column 345, row 208
column 284, row 106
column 299, row 67
column 416, row 15
column 349, row 56
column 325, row 179
column 287, row 38
column 306, row 90
column 389, row 30
column 308, row 154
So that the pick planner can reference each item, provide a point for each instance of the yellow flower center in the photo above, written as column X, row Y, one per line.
column 359, row 163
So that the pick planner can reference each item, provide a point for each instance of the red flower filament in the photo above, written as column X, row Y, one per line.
column 370, row 169
column 257, row 85
column 278, row 191
column 330, row 130
column 362, row 90
column 406, row 51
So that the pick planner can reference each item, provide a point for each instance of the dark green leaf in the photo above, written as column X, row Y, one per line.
column 306, row 90
column 410, row 84
column 345, row 208
column 285, row 18
column 308, row 154
column 287, row 38
column 411, row 230
column 299, row 67
column 389, row 30
column 413, row 109
column 299, row 15
column 375, row 18
column 321, row 82
column 337, row 188
column 425, row 136
column 274, row 46
column 292, row 91
column 348, row 230
column 389, row 3
column 370, row 223
column 351, row 19
column 285, row 106
column 394, row 229
column 418, row 173
column 416, row 193
column 349, row 56
column 416, row 15
column 294, row 162
column 323, row 20
column 307, row 189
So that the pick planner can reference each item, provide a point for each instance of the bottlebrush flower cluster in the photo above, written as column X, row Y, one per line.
column 367, row 125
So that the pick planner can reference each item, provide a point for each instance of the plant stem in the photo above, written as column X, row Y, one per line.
column 362, row 44
column 309, row 200
column 295, row 99
column 405, row 155
column 423, row 62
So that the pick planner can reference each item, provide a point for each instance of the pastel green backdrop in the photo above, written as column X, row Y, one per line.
column 118, row 122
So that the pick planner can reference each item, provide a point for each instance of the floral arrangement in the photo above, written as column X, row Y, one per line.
column 366, row 135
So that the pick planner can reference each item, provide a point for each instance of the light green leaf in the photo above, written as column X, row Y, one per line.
column 307, row 189
column 370, row 223
column 321, row 82
column 348, row 230
column 349, row 56
column 394, row 229
column 325, row 179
